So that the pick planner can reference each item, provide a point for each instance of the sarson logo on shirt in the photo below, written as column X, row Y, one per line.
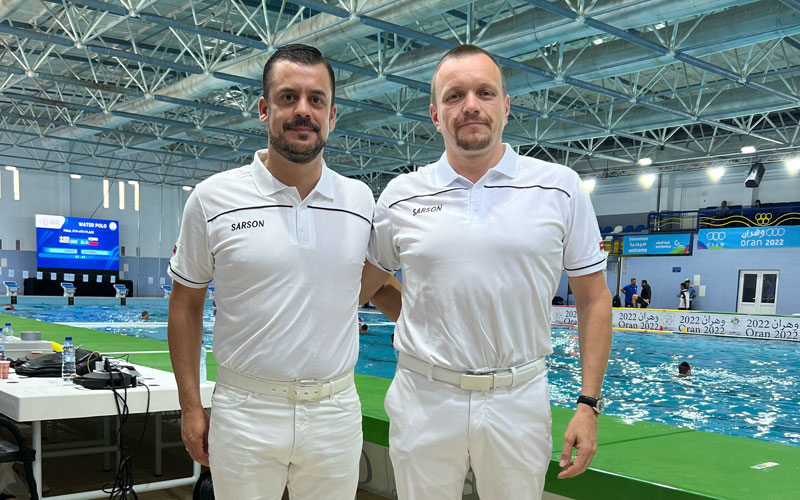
column 423, row 210
column 246, row 224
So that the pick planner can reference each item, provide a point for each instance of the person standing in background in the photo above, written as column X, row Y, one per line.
column 630, row 291
column 690, row 293
column 683, row 297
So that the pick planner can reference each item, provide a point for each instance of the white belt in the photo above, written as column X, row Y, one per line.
column 303, row 390
column 479, row 380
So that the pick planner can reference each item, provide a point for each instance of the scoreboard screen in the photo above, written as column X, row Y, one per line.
column 72, row 243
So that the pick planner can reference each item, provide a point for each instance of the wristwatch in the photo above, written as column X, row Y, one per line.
column 597, row 404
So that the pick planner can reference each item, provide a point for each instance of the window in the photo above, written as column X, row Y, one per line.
column 135, row 185
column 16, row 185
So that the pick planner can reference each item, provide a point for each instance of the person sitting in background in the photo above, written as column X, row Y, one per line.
column 684, row 369
column 723, row 207
column 145, row 316
column 757, row 204
column 644, row 298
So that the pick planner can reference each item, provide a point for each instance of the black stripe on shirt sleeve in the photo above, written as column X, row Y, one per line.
column 585, row 267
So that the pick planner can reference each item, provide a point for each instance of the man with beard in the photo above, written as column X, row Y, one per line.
column 284, row 240
column 482, row 237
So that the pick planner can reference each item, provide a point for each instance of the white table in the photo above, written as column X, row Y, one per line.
column 32, row 399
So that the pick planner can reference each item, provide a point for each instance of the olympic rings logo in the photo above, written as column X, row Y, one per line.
column 763, row 218
column 715, row 235
column 775, row 231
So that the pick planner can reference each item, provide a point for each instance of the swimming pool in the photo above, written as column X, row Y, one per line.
column 739, row 387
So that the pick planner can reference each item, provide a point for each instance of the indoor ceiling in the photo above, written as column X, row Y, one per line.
column 166, row 91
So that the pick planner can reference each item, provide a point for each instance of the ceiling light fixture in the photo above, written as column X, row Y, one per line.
column 647, row 180
column 748, row 150
column 716, row 173
column 793, row 165
column 645, row 161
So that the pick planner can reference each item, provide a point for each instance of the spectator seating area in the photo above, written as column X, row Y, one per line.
column 768, row 214
column 781, row 205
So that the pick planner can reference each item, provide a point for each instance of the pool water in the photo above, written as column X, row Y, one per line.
column 739, row 387
column 124, row 320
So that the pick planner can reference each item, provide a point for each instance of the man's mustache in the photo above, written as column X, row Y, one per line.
column 301, row 122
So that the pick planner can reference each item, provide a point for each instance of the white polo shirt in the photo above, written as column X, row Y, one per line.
column 287, row 271
column 481, row 262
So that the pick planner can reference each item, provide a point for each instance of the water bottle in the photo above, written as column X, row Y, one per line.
column 67, row 359
column 203, row 373
column 7, row 333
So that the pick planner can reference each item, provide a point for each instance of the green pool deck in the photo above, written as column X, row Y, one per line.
column 641, row 460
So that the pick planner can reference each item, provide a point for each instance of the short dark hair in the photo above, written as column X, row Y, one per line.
column 300, row 54
column 644, row 282
column 462, row 51
column 684, row 368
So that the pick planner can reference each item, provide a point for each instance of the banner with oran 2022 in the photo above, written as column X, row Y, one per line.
column 737, row 238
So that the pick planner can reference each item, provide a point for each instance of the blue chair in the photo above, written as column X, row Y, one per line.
column 628, row 229
column 640, row 228
column 607, row 230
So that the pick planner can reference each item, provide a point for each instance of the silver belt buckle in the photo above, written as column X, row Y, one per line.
column 305, row 390
column 477, row 380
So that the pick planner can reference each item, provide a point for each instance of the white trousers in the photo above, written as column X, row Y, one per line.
column 259, row 444
column 437, row 431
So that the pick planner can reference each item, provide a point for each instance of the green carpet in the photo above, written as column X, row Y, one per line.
column 642, row 460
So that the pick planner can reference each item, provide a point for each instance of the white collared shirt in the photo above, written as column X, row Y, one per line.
column 481, row 262
column 287, row 271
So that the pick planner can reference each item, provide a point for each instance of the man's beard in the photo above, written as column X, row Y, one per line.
column 292, row 151
column 478, row 145
column 473, row 146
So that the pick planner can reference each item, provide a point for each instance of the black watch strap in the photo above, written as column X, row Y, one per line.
column 597, row 404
